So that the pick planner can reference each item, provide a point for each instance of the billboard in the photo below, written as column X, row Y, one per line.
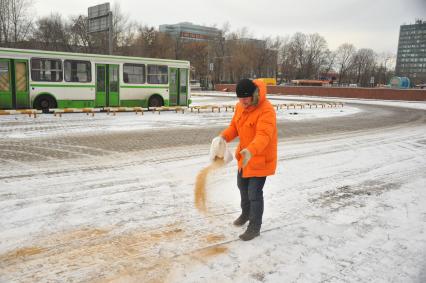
column 97, row 11
column 98, row 17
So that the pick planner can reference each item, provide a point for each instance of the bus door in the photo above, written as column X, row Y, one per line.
column 173, row 86
column 107, row 85
column 183, row 87
column 20, row 84
column 178, row 86
column 14, row 90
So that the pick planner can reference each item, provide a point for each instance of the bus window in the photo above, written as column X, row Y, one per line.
column 77, row 71
column 100, row 79
column 183, row 80
column 21, row 76
column 113, row 78
column 134, row 73
column 4, row 76
column 157, row 74
column 46, row 70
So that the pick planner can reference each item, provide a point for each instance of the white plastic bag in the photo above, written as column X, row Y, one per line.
column 219, row 148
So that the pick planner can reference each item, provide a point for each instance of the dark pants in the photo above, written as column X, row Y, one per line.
column 251, row 191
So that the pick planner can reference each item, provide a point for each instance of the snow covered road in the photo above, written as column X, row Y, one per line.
column 345, row 205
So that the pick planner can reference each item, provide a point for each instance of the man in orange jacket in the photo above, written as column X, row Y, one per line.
column 254, row 122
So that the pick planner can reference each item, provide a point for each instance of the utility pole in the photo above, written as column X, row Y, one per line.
column 110, row 30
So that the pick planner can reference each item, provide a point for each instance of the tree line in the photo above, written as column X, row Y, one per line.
column 226, row 58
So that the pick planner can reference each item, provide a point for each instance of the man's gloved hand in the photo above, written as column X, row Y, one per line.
column 217, row 148
column 246, row 156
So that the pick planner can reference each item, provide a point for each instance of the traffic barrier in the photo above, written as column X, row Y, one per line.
column 89, row 111
column 215, row 107
column 286, row 105
column 229, row 106
column 29, row 112
column 114, row 110
column 212, row 107
column 218, row 107
column 304, row 105
column 199, row 107
column 168, row 108
column 59, row 112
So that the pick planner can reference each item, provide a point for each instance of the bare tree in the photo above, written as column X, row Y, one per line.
column 79, row 36
column 344, row 59
column 329, row 60
column 151, row 43
column 240, row 51
column 303, row 56
column 385, row 66
column 363, row 66
column 264, row 55
column 273, row 47
column 298, row 43
column 197, row 53
column 258, row 57
column 21, row 21
column 315, row 55
column 219, row 53
column 287, row 60
column 52, row 33
column 124, row 32
column 4, row 22
column 15, row 21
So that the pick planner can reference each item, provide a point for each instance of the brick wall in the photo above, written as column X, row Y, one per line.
column 369, row 93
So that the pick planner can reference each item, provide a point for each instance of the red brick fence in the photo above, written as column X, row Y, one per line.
column 370, row 93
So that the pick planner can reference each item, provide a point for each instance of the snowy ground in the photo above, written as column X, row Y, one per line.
column 350, row 207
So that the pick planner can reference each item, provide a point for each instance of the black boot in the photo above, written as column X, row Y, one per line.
column 252, row 232
column 241, row 220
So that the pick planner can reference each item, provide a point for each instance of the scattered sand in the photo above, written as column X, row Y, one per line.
column 205, row 254
column 214, row 238
column 200, row 184
column 21, row 253
column 129, row 255
column 138, row 256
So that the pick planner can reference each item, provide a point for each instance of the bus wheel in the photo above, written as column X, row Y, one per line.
column 44, row 103
column 155, row 101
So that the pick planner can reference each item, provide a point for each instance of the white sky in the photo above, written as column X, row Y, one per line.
column 364, row 23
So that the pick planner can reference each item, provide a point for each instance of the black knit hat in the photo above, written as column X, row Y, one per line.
column 245, row 88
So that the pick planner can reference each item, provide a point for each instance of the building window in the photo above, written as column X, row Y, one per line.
column 77, row 71
column 157, row 74
column 46, row 70
column 134, row 73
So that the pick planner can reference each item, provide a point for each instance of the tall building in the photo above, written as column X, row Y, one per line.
column 411, row 58
column 189, row 31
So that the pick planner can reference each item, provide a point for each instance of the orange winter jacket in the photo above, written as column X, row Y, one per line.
column 257, row 128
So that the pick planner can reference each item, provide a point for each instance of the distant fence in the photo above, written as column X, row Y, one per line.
column 358, row 92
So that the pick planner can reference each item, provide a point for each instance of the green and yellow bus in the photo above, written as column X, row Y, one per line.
column 47, row 80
